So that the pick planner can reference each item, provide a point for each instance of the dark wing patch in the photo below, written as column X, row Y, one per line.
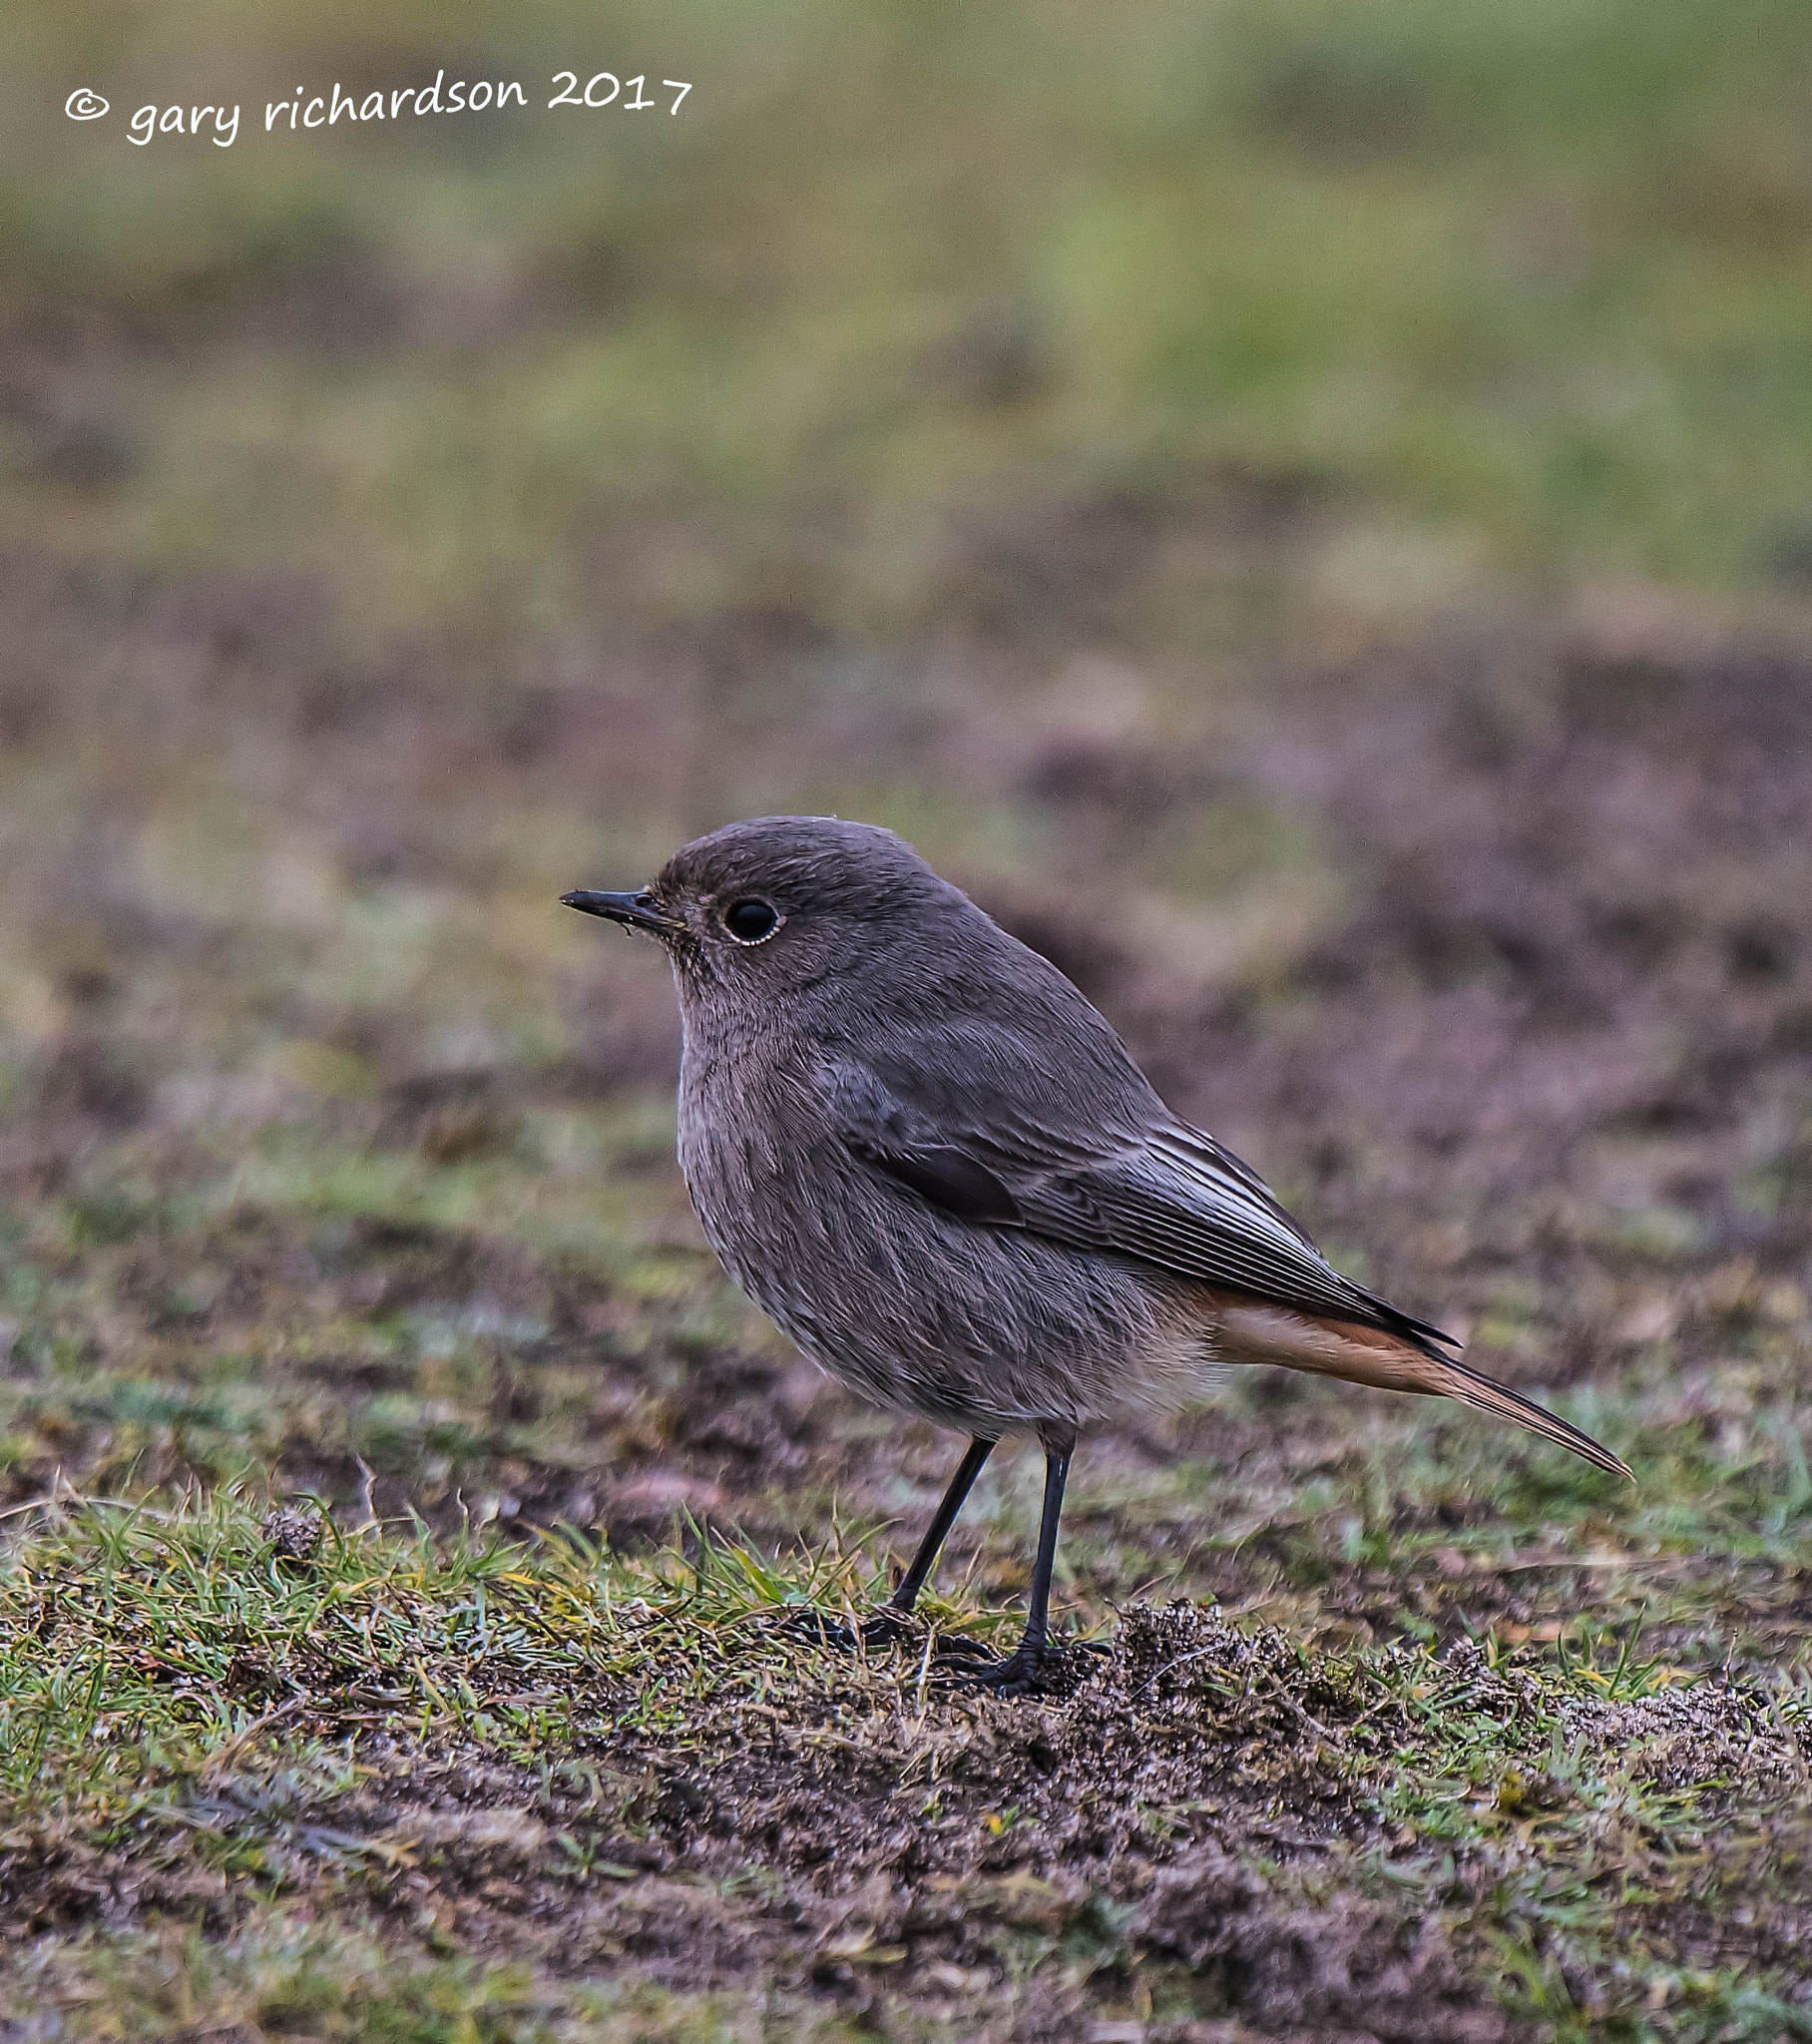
column 898, row 1140
column 1186, row 1215
column 949, row 1179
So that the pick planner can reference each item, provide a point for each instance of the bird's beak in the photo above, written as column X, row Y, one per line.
column 638, row 911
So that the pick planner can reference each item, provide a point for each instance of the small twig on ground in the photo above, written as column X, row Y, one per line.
column 367, row 1476
column 218, row 1759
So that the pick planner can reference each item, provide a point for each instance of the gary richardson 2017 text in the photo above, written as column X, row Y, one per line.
column 324, row 110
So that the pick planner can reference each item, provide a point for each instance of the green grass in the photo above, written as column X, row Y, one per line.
column 184, row 1705
column 289, row 1977
column 145, row 1646
column 954, row 409
column 1513, row 297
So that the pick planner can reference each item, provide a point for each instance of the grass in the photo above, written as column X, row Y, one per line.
column 195, row 1632
column 1514, row 303
column 200, row 1696
column 289, row 1977
column 1473, row 1688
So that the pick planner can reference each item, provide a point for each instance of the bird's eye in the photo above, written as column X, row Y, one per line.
column 751, row 921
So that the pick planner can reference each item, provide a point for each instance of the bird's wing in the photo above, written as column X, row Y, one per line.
column 1140, row 1183
column 998, row 1154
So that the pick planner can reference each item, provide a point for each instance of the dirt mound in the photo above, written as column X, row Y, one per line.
column 1341, row 1965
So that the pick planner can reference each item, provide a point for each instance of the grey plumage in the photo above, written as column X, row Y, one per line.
column 918, row 1147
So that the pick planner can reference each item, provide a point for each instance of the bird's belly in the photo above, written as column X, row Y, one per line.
column 985, row 1328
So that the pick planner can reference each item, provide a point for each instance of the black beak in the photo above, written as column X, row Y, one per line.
column 636, row 911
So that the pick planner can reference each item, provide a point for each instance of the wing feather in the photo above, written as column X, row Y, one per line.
column 1152, row 1189
column 1162, row 1193
column 1175, row 1203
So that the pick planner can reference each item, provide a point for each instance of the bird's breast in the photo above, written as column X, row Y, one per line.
column 752, row 1148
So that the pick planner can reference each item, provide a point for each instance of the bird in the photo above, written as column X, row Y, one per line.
column 917, row 1146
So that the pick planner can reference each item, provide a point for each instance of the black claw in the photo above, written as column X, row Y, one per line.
column 955, row 1657
column 1027, row 1670
column 1021, row 1674
column 879, row 1629
column 882, row 1628
column 820, row 1629
column 960, row 1647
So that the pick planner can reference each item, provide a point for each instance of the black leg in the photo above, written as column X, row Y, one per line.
column 888, row 1624
column 914, row 1580
column 1038, row 1616
column 1023, row 1667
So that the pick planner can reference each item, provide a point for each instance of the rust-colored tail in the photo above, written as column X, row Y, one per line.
column 1246, row 1330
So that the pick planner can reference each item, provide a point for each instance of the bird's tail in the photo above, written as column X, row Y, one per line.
column 1252, row 1332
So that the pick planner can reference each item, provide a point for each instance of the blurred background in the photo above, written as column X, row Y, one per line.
column 1305, row 510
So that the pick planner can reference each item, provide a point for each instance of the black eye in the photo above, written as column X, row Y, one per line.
column 752, row 920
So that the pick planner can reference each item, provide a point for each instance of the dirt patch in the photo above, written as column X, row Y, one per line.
column 1201, row 1804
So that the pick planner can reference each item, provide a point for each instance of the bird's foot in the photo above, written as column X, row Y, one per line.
column 961, row 1649
column 880, row 1628
column 1026, row 1671
column 884, row 1628
column 1029, row 1671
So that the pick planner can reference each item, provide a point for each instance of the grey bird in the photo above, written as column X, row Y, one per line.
column 923, row 1153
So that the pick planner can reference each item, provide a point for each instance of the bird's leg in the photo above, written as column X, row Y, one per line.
column 1022, row 1668
column 886, row 1623
column 889, row 1623
column 906, row 1594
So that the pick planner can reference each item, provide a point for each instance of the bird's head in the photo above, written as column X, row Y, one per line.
column 764, row 909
